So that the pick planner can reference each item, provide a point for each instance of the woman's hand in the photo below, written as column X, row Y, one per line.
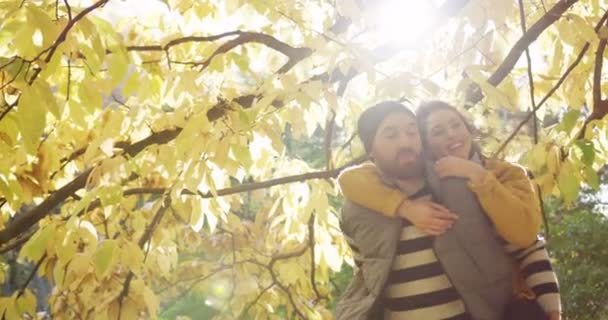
column 429, row 217
column 451, row 166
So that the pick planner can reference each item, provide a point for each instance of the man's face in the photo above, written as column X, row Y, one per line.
column 396, row 147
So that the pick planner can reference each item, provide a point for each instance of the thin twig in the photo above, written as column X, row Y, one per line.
column 8, row 109
column 522, row 17
column 166, row 204
column 31, row 276
column 63, row 36
column 255, row 301
column 597, row 73
column 69, row 9
column 561, row 80
column 4, row 85
column 311, row 245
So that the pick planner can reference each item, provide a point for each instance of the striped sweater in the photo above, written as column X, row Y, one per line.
column 535, row 266
column 418, row 287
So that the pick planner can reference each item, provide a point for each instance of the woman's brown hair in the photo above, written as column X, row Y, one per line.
column 429, row 107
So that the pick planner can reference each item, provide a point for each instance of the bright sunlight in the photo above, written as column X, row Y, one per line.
column 401, row 23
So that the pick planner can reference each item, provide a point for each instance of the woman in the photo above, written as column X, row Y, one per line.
column 503, row 190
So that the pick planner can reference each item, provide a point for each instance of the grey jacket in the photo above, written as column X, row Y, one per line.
column 470, row 252
column 376, row 236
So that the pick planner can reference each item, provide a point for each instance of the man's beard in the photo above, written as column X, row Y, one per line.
column 393, row 169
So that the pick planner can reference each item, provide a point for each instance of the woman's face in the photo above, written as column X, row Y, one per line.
column 447, row 134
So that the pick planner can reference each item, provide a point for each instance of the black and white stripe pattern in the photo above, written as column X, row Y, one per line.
column 535, row 265
column 418, row 287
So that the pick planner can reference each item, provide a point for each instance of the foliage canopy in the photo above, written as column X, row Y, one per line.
column 148, row 156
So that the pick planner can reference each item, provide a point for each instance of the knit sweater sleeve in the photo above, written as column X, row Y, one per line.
column 509, row 199
column 362, row 185
column 536, row 268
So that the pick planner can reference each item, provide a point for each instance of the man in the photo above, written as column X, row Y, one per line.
column 399, row 275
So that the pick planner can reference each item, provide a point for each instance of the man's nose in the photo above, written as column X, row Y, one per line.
column 452, row 133
column 405, row 141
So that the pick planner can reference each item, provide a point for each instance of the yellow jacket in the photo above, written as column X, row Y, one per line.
column 506, row 194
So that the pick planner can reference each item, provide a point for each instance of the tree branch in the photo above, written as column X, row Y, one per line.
column 183, row 40
column 18, row 242
column 561, row 80
column 326, row 174
column 63, row 35
column 295, row 55
column 31, row 217
column 600, row 106
column 25, row 220
column 520, row 46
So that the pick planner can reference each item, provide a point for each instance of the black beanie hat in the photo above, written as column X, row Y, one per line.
column 370, row 120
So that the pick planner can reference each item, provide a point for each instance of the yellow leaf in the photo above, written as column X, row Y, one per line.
column 128, row 309
column 31, row 116
column 582, row 27
column 59, row 274
column 104, row 258
column 107, row 147
column 132, row 257
column 557, row 60
column 118, row 64
column 132, row 84
column 27, row 303
column 151, row 301
column 197, row 218
column 217, row 63
column 43, row 23
column 40, row 169
column 12, row 311
column 568, row 182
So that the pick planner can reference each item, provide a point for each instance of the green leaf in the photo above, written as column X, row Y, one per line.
column 593, row 180
column 588, row 151
column 569, row 121
column 36, row 246
column 568, row 182
column 104, row 258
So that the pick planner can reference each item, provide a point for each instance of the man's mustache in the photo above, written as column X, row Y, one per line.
column 407, row 152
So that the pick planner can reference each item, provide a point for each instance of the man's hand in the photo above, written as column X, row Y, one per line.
column 554, row 315
column 431, row 218
column 451, row 166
